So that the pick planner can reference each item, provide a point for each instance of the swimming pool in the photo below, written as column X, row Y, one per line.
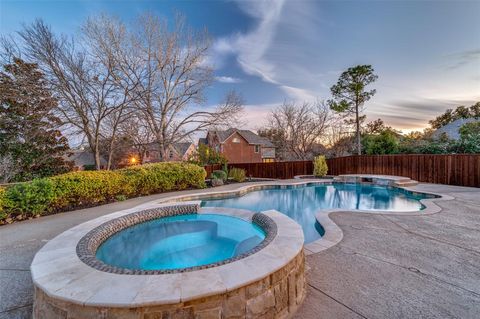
column 302, row 203
column 180, row 241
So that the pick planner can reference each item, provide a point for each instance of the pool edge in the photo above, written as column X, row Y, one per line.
column 333, row 233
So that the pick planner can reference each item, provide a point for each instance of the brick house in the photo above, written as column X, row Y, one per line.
column 241, row 146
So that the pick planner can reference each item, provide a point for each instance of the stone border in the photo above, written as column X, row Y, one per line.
column 59, row 275
column 277, row 295
column 88, row 245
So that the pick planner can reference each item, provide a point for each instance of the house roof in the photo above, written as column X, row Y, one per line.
column 248, row 135
column 182, row 147
column 452, row 129
column 84, row 157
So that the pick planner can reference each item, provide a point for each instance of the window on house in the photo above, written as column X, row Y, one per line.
column 268, row 160
column 171, row 154
column 236, row 140
column 257, row 148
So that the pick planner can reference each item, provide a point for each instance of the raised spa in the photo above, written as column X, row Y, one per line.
column 173, row 261
column 181, row 241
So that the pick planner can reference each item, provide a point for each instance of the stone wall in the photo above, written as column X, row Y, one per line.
column 275, row 296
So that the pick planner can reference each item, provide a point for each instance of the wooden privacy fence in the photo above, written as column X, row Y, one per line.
column 211, row 168
column 281, row 170
column 455, row 169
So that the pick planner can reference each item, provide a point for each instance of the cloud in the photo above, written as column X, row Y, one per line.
column 463, row 58
column 413, row 113
column 255, row 116
column 298, row 93
column 227, row 79
column 288, row 47
column 252, row 49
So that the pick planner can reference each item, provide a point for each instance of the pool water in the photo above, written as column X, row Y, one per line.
column 180, row 241
column 303, row 203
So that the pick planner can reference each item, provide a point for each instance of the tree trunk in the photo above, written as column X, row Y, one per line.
column 111, row 150
column 98, row 165
column 110, row 155
column 161, row 151
column 93, row 144
column 359, row 142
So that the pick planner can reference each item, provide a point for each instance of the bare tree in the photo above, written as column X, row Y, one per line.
column 169, row 65
column 340, row 138
column 300, row 128
column 140, row 135
column 85, row 82
column 111, row 73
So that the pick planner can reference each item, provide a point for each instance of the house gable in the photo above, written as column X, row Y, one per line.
column 237, row 150
column 241, row 146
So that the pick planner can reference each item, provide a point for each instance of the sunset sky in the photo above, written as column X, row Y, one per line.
column 426, row 53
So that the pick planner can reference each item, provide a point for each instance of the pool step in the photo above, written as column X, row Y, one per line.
column 406, row 183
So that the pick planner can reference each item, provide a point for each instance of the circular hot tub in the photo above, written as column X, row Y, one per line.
column 173, row 260
column 182, row 242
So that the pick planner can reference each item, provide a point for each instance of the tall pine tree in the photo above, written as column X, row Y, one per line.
column 30, row 139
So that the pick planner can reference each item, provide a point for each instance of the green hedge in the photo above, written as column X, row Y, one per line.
column 87, row 188
column 2, row 201
column 237, row 174
column 219, row 174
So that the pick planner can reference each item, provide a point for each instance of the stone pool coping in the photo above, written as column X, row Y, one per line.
column 61, row 275
column 333, row 234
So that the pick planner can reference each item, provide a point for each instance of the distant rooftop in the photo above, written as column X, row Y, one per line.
column 248, row 135
column 452, row 129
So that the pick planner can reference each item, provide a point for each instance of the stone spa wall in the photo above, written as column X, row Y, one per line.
column 267, row 282
column 276, row 296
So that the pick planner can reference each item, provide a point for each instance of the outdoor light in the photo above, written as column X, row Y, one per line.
column 133, row 160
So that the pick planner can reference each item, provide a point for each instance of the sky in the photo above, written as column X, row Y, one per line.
column 425, row 53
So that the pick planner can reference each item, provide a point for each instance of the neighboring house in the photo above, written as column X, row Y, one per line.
column 84, row 160
column 452, row 129
column 241, row 146
column 177, row 152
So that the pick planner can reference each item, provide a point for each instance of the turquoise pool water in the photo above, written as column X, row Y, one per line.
column 302, row 203
column 180, row 242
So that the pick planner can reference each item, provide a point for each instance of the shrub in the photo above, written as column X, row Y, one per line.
column 384, row 143
column 159, row 177
column 219, row 175
column 320, row 167
column 469, row 138
column 3, row 215
column 86, row 188
column 237, row 174
column 120, row 198
column 207, row 156
column 30, row 199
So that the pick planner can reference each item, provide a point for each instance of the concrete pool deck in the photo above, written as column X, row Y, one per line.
column 393, row 266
